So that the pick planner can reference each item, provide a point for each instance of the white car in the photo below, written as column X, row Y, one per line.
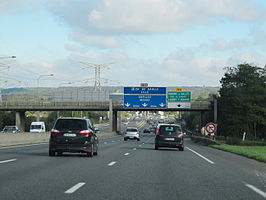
column 131, row 133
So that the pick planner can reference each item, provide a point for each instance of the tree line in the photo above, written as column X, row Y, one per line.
column 241, row 103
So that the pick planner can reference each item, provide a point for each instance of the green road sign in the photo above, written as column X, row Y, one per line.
column 175, row 96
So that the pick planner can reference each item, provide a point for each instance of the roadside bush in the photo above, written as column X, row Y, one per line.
column 233, row 141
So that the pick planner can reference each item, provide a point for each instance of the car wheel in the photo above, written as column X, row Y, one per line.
column 51, row 153
column 181, row 148
column 138, row 139
column 125, row 139
column 90, row 154
column 96, row 152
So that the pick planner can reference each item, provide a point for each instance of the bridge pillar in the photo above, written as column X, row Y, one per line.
column 20, row 120
column 114, row 121
column 112, row 117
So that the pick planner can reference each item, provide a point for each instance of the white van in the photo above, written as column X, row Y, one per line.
column 37, row 127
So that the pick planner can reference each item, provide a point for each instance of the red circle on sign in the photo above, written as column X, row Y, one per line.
column 211, row 128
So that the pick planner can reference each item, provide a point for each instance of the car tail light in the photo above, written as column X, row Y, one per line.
column 85, row 132
column 55, row 131
column 181, row 134
column 157, row 132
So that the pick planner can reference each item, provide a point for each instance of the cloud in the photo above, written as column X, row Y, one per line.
column 150, row 16
column 99, row 41
column 7, row 5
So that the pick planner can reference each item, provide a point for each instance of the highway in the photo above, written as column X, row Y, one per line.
column 130, row 170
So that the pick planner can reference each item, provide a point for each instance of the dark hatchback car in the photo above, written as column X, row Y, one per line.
column 75, row 135
column 169, row 135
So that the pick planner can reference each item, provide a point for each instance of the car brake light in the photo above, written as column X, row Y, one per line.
column 85, row 132
column 157, row 131
column 55, row 131
column 181, row 134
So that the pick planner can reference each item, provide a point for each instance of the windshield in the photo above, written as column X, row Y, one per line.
column 170, row 130
column 70, row 124
column 36, row 127
column 132, row 130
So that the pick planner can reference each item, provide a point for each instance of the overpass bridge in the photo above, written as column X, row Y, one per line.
column 112, row 105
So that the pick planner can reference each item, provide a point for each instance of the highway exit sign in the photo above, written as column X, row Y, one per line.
column 179, row 96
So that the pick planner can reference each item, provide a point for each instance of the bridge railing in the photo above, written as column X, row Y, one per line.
column 118, row 104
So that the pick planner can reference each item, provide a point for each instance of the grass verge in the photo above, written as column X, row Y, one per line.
column 254, row 152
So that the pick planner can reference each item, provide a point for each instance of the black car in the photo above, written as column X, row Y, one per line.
column 169, row 135
column 75, row 135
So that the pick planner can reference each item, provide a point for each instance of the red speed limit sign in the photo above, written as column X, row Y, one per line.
column 211, row 128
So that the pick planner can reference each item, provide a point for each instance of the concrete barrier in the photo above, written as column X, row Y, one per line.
column 9, row 139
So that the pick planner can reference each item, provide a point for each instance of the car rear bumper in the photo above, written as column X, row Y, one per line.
column 70, row 148
column 169, row 144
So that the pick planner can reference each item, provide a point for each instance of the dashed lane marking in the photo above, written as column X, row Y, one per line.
column 7, row 161
column 209, row 161
column 74, row 188
column 111, row 163
column 258, row 191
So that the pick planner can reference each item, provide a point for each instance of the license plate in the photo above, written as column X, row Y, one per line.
column 170, row 139
column 70, row 134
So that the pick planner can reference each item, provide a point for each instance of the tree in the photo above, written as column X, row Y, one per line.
column 242, row 101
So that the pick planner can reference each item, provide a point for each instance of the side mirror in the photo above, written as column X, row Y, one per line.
column 97, row 130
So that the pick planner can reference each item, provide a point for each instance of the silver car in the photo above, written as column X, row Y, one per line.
column 131, row 133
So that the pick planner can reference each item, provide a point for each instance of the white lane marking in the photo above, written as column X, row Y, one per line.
column 105, row 142
column 200, row 155
column 258, row 191
column 126, row 154
column 134, row 149
column 6, row 161
column 74, row 188
column 111, row 163
column 139, row 145
column 143, row 143
column 19, row 146
column 113, row 141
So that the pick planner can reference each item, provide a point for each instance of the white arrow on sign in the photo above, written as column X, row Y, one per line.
column 162, row 104
column 127, row 104
column 144, row 105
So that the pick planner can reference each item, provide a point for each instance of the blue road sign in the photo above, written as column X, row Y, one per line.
column 144, row 90
column 144, row 101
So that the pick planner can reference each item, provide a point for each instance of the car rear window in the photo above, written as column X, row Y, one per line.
column 132, row 130
column 36, row 127
column 70, row 124
column 169, row 130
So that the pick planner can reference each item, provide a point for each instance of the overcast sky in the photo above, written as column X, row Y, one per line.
column 160, row 42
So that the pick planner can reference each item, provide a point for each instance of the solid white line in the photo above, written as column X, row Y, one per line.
column 135, row 149
column 6, row 161
column 258, row 191
column 200, row 155
column 126, row 154
column 139, row 145
column 74, row 188
column 111, row 163
column 105, row 142
column 19, row 146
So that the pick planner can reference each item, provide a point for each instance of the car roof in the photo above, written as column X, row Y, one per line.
column 79, row 118
column 168, row 125
column 132, row 128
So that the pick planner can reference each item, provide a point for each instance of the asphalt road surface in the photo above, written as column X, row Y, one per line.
column 130, row 170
